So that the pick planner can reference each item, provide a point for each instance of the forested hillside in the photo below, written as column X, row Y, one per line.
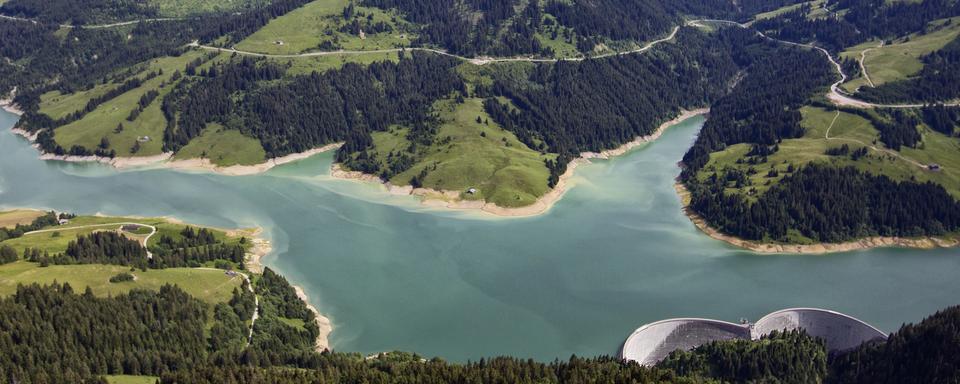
column 617, row 99
column 162, row 333
column 800, row 200
column 414, row 117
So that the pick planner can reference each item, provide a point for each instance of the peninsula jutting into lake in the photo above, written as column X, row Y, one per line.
column 397, row 191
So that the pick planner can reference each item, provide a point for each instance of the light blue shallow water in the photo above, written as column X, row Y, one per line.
column 613, row 254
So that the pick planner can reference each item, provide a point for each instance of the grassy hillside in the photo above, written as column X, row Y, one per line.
column 817, row 6
column 180, row 8
column 320, row 22
column 58, row 106
column 128, row 379
column 854, row 131
column 10, row 219
column 900, row 59
column 470, row 154
column 206, row 283
column 103, row 121
column 55, row 239
column 209, row 285
column 224, row 147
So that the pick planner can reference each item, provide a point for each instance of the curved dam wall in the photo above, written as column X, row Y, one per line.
column 839, row 331
column 653, row 342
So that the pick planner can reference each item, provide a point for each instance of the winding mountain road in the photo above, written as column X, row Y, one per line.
column 863, row 67
column 153, row 231
column 836, row 95
column 481, row 60
column 96, row 26
column 871, row 146
column 256, row 301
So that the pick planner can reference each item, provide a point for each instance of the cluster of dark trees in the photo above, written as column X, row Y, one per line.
column 942, row 119
column 276, row 342
column 829, row 204
column 917, row 353
column 780, row 357
column 308, row 111
column 861, row 21
column 79, row 12
column 938, row 81
column 761, row 108
column 48, row 219
column 102, row 247
column 8, row 254
column 597, row 104
column 832, row 33
column 52, row 334
column 193, row 248
column 844, row 150
column 194, row 257
column 122, row 277
column 473, row 27
column 820, row 202
column 86, row 57
column 897, row 128
column 630, row 19
column 886, row 19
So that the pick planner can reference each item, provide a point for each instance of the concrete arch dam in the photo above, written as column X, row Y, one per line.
column 653, row 342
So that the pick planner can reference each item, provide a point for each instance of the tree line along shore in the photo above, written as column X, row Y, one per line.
column 103, row 311
column 502, row 137
column 112, row 256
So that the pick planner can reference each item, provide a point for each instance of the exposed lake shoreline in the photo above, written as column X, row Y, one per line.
column 166, row 159
column 453, row 199
column 818, row 248
column 261, row 248
column 9, row 106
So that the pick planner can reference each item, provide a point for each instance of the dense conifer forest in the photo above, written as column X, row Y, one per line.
column 48, row 219
column 606, row 113
column 939, row 80
column 761, row 109
column 828, row 204
column 162, row 333
column 822, row 203
column 311, row 110
column 79, row 12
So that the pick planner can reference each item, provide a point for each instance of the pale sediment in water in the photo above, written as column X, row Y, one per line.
column 262, row 247
column 9, row 106
column 454, row 199
column 323, row 322
column 241, row 170
column 818, row 248
column 165, row 160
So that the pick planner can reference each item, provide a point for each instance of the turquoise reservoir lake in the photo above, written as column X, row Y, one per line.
column 616, row 252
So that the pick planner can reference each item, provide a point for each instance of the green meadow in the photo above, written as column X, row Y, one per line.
column 10, row 219
column 306, row 28
column 58, row 106
column 102, row 122
column 224, row 147
column 817, row 6
column 469, row 154
column 901, row 59
column 856, row 132
column 180, row 8
column 55, row 239
column 209, row 285
column 128, row 379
